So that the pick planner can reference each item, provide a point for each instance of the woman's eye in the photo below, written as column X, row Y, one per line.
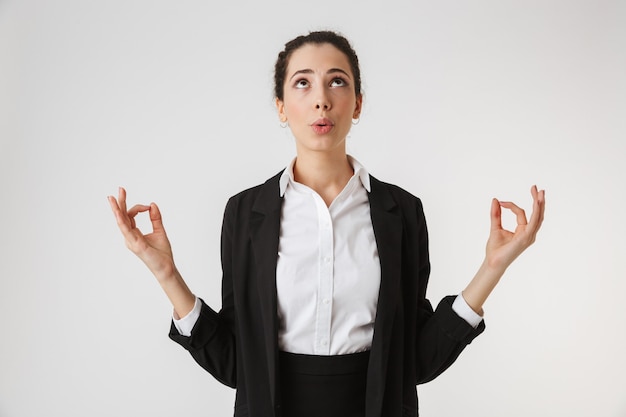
column 338, row 82
column 302, row 84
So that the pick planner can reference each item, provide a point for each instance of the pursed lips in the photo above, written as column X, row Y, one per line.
column 323, row 122
column 322, row 126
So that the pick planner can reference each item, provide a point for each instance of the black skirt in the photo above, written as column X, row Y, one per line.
column 323, row 386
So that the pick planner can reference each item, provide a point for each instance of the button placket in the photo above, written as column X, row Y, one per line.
column 325, row 287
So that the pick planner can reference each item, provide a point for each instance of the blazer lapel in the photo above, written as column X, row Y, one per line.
column 388, row 232
column 264, row 234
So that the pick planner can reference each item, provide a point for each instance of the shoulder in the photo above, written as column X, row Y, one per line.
column 268, row 190
column 399, row 202
column 400, row 196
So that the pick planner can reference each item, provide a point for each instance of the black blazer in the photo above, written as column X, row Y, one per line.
column 411, row 344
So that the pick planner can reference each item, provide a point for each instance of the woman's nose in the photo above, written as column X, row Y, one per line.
column 322, row 101
column 322, row 104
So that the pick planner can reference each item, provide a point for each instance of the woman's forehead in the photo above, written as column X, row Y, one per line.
column 318, row 57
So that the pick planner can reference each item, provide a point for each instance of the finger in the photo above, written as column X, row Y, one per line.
column 115, row 208
column 136, row 209
column 542, row 205
column 117, row 211
column 124, row 222
column 520, row 214
column 113, row 203
column 534, row 192
column 156, row 219
column 496, row 215
column 536, row 218
column 122, row 198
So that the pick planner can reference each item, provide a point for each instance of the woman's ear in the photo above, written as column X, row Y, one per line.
column 358, row 106
column 280, row 108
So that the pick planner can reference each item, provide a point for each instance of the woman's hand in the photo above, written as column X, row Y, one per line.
column 504, row 246
column 153, row 248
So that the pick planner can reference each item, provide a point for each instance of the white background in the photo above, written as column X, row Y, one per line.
column 464, row 101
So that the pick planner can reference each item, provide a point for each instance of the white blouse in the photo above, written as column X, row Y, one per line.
column 328, row 271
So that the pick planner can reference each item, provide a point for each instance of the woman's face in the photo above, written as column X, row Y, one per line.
column 319, row 101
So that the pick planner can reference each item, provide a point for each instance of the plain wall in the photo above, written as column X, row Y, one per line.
column 464, row 101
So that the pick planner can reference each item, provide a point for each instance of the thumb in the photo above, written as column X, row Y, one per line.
column 155, row 218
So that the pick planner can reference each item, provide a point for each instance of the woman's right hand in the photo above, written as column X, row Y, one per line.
column 153, row 248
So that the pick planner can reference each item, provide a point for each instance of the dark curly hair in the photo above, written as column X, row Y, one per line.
column 319, row 37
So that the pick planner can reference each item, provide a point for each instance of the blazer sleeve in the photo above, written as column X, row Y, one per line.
column 441, row 335
column 212, row 340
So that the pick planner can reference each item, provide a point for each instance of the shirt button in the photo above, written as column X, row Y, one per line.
column 327, row 260
column 324, row 342
column 326, row 301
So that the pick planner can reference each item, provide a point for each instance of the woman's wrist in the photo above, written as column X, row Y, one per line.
column 178, row 293
column 166, row 273
column 483, row 283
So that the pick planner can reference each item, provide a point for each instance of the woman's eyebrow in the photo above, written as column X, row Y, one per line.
column 310, row 71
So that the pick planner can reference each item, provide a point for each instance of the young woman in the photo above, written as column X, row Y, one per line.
column 325, row 267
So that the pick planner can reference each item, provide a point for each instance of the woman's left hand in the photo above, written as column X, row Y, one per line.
column 504, row 246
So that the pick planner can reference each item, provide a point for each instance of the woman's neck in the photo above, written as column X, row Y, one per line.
column 326, row 174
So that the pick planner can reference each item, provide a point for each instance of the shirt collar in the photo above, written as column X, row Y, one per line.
column 359, row 171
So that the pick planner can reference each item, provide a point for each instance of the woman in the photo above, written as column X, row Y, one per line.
column 325, row 268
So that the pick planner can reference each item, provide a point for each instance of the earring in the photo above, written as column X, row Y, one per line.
column 284, row 124
column 356, row 121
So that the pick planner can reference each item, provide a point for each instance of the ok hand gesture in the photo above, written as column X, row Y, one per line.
column 153, row 248
column 504, row 246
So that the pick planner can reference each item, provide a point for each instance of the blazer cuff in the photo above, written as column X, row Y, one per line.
column 454, row 326
column 202, row 332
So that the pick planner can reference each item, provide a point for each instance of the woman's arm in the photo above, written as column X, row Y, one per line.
column 503, row 247
column 442, row 335
column 212, row 343
column 154, row 250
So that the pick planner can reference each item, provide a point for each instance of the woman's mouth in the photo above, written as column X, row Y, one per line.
column 322, row 126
